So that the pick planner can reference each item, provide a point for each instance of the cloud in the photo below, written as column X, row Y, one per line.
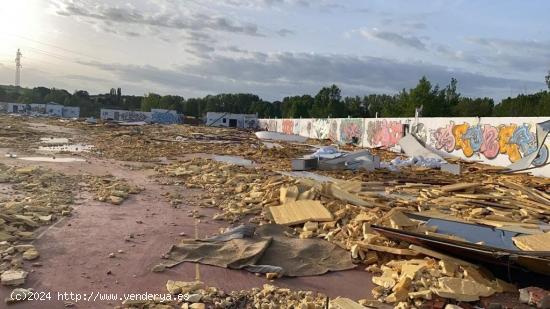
column 279, row 74
column 172, row 20
column 521, row 55
column 394, row 38
column 458, row 55
column 284, row 32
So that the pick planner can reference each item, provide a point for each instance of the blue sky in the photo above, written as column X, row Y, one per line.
column 276, row 48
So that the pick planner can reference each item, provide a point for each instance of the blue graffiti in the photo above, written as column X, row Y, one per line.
column 524, row 139
column 527, row 143
column 165, row 118
column 475, row 135
column 542, row 157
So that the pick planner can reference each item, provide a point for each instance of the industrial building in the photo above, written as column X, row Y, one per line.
column 51, row 109
column 244, row 121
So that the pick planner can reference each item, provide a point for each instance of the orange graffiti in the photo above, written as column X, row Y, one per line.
column 288, row 126
column 458, row 131
column 504, row 136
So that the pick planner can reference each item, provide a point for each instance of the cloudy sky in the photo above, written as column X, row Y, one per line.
column 276, row 48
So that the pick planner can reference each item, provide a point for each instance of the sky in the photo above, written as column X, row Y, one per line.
column 276, row 48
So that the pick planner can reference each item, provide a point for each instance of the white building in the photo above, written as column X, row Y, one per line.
column 247, row 121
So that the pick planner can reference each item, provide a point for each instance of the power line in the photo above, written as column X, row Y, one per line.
column 52, row 45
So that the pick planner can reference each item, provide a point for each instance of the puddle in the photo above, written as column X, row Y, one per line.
column 50, row 159
column 233, row 160
column 54, row 140
column 67, row 148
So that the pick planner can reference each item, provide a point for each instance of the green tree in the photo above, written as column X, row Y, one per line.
column 151, row 100
column 356, row 106
column 328, row 103
column 547, row 79
column 60, row 96
column 297, row 106
column 478, row 107
column 422, row 95
column 172, row 102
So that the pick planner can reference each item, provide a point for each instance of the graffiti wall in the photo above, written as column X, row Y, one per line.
column 164, row 116
column 493, row 140
column 511, row 140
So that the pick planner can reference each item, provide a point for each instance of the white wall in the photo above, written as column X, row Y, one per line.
column 493, row 140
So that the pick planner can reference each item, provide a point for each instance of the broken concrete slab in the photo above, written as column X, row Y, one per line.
column 537, row 242
column 298, row 212
column 13, row 277
column 462, row 289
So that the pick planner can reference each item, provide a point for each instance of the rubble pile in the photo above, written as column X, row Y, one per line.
column 149, row 143
column 408, row 282
column 198, row 295
column 109, row 189
column 354, row 206
column 237, row 191
column 16, row 134
column 30, row 197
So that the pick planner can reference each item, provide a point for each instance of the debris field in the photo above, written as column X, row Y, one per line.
column 424, row 238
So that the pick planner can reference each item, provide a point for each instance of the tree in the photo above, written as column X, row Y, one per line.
column 356, row 106
column 478, row 107
column 547, row 79
column 327, row 103
column 60, row 96
column 297, row 106
column 172, row 102
column 149, row 101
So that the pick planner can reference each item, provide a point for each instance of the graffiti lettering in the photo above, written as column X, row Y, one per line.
column 351, row 130
column 384, row 133
column 512, row 140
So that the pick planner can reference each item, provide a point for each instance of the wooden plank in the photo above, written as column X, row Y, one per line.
column 460, row 186
column 397, row 251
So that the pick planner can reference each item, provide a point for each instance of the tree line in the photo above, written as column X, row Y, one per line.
column 434, row 100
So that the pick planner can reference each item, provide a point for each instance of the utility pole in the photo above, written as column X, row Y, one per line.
column 18, row 56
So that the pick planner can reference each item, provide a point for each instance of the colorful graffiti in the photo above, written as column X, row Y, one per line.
column 321, row 127
column 333, row 130
column 384, row 133
column 351, row 131
column 490, row 141
column 288, row 126
column 165, row 118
